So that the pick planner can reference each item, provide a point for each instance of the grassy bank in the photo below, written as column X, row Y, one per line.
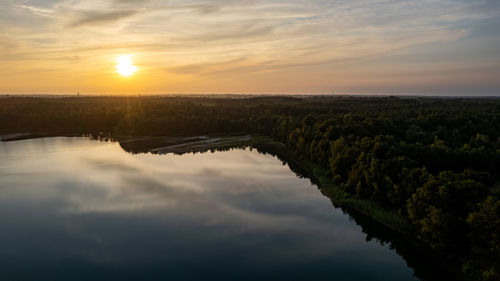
column 338, row 197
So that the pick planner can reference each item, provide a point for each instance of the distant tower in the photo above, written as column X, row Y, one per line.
column 78, row 94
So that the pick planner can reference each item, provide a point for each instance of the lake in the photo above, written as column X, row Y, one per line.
column 79, row 209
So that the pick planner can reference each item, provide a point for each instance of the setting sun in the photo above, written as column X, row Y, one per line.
column 124, row 66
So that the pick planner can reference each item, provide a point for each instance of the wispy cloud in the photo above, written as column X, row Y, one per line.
column 36, row 10
column 96, row 18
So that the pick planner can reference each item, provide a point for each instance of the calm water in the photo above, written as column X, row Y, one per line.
column 77, row 209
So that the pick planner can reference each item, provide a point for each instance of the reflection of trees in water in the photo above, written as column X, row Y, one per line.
column 182, row 145
column 425, row 263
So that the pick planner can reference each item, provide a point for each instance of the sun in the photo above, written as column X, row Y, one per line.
column 125, row 66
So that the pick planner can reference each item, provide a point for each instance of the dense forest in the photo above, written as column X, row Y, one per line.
column 432, row 162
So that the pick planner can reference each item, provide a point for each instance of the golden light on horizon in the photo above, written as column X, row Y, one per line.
column 125, row 66
column 275, row 46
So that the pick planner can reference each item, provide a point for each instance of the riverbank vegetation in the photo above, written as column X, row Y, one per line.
column 429, row 167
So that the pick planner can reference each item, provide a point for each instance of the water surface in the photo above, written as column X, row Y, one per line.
column 77, row 209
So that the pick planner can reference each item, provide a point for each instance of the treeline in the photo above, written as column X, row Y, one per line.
column 438, row 166
column 434, row 162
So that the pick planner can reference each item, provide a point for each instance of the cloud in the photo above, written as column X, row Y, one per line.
column 206, row 8
column 237, row 32
column 205, row 67
column 95, row 18
column 36, row 10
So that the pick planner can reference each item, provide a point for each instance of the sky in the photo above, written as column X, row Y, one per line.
column 438, row 47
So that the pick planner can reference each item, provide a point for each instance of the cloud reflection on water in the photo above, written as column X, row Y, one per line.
column 92, row 202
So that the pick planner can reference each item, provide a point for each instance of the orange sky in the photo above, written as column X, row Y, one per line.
column 207, row 46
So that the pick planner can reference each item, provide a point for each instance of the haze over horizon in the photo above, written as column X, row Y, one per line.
column 439, row 47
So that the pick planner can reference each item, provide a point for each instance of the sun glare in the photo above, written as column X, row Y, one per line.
column 124, row 66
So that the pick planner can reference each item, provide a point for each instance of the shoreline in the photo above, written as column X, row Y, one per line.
column 390, row 221
column 386, row 219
